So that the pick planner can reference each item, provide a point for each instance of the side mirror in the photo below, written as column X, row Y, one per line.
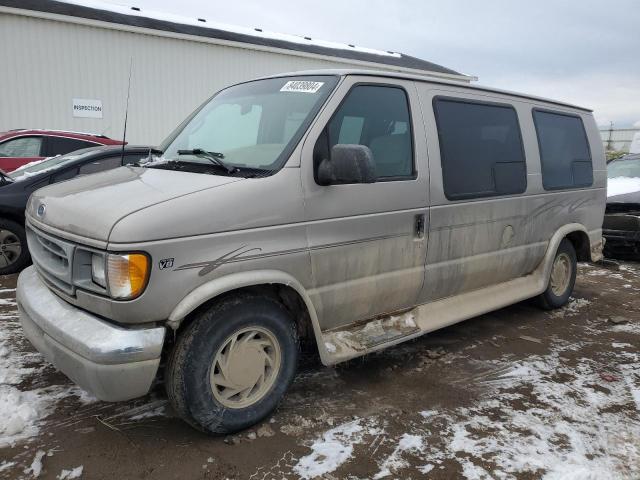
column 348, row 164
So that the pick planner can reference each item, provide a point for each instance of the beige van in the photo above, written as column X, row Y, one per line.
column 352, row 209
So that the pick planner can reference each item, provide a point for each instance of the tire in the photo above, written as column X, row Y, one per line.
column 200, row 350
column 14, row 253
column 561, row 282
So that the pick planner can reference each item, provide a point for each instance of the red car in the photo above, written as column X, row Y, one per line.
column 19, row 147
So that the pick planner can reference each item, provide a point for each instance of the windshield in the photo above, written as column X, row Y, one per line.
column 47, row 164
column 624, row 168
column 253, row 125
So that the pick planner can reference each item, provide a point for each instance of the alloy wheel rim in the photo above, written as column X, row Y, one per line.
column 245, row 367
column 10, row 248
column 560, row 274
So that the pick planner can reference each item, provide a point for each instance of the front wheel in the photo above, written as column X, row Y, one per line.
column 14, row 254
column 562, row 278
column 233, row 363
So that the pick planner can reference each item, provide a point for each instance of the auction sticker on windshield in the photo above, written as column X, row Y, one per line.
column 302, row 86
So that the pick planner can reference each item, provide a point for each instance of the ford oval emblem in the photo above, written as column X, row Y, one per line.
column 41, row 209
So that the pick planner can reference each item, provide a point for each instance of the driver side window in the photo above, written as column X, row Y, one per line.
column 377, row 117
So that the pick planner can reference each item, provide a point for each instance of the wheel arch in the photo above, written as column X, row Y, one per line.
column 569, row 231
column 281, row 285
column 581, row 243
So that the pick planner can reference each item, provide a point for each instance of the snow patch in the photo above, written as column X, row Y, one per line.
column 6, row 465
column 168, row 17
column 572, row 435
column 22, row 411
column 36, row 466
column 622, row 186
column 71, row 474
column 30, row 164
column 572, row 308
column 333, row 449
column 632, row 380
column 428, row 413
column 629, row 327
column 395, row 462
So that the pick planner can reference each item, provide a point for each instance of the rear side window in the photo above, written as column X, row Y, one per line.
column 21, row 147
column 480, row 149
column 564, row 150
column 135, row 158
column 62, row 145
column 64, row 175
column 378, row 117
column 100, row 165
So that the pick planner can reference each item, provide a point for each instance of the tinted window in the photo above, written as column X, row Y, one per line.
column 61, row 145
column 21, row 147
column 480, row 149
column 64, row 175
column 624, row 168
column 49, row 164
column 134, row 158
column 377, row 117
column 564, row 150
column 100, row 165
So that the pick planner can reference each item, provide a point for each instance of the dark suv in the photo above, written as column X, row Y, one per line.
column 15, row 189
column 622, row 218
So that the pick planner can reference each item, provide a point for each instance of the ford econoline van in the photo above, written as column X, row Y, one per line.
column 352, row 209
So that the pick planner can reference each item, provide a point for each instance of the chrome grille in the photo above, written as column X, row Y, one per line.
column 53, row 258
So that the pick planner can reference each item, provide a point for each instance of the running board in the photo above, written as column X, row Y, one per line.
column 356, row 340
column 367, row 336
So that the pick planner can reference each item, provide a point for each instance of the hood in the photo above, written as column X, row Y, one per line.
column 622, row 186
column 623, row 195
column 89, row 206
column 624, row 198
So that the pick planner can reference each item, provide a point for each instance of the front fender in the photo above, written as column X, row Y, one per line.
column 218, row 286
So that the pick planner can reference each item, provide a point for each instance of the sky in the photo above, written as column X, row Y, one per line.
column 583, row 52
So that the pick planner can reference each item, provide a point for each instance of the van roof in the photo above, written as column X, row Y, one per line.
column 420, row 78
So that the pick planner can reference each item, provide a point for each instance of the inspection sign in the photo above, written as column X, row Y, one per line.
column 87, row 108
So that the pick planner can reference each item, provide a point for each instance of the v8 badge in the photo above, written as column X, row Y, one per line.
column 165, row 263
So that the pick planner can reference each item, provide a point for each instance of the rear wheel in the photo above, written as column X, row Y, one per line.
column 562, row 278
column 14, row 255
column 233, row 363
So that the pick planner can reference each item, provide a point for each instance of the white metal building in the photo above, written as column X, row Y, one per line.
column 66, row 65
column 618, row 139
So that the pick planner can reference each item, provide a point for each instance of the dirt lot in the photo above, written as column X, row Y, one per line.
column 518, row 393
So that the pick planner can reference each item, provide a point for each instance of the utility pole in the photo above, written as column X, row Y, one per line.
column 610, row 137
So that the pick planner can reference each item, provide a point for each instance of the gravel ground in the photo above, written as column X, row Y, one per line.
column 518, row 393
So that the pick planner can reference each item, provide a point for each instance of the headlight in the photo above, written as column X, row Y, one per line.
column 97, row 270
column 125, row 276
column 128, row 274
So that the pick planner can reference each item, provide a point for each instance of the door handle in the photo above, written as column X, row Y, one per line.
column 419, row 226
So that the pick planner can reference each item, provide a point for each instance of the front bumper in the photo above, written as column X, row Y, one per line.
column 622, row 242
column 110, row 362
column 622, row 231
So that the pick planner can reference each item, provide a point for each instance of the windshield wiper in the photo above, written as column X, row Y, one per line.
column 213, row 157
